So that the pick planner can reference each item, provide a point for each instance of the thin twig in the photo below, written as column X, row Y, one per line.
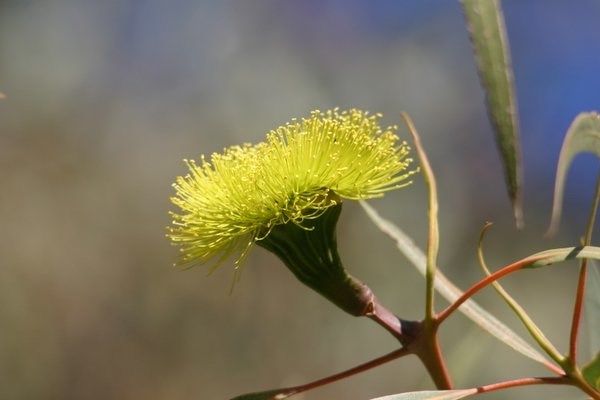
column 579, row 297
column 480, row 285
column 345, row 374
column 524, row 382
column 531, row 326
column 577, row 311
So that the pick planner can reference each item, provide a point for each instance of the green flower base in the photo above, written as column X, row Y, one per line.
column 310, row 252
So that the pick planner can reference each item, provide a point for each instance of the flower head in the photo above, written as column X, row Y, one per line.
column 302, row 169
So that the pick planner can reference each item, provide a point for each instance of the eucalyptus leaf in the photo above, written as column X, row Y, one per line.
column 490, row 45
column 554, row 256
column 431, row 395
column 591, row 372
column 583, row 136
column 450, row 292
column 278, row 394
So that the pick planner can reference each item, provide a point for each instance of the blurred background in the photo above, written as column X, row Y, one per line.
column 105, row 98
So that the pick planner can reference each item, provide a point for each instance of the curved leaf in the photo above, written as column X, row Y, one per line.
column 450, row 292
column 490, row 45
column 431, row 395
column 583, row 136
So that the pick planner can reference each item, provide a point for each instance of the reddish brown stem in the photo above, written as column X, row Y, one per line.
column 577, row 310
column 404, row 331
column 587, row 239
column 524, row 382
column 419, row 337
column 345, row 374
column 480, row 285
column 429, row 352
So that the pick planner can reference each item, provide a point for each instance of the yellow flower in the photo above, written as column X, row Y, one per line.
column 302, row 169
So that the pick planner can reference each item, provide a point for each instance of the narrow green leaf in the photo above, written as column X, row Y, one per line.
column 591, row 372
column 431, row 395
column 450, row 292
column 583, row 136
column 277, row 394
column 490, row 45
column 554, row 256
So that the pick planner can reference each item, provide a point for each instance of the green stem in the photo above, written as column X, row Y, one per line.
column 434, row 234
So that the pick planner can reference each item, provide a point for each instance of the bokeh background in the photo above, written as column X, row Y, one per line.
column 105, row 98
